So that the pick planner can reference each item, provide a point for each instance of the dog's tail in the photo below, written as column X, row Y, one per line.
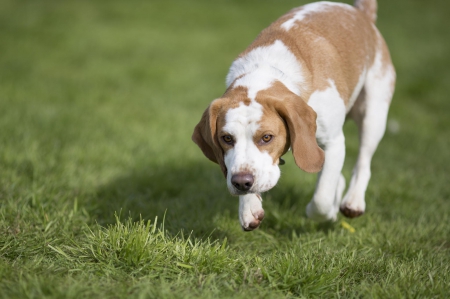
column 369, row 7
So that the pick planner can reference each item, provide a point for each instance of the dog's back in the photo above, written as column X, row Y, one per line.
column 330, row 40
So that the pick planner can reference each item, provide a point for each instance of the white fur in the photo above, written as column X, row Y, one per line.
column 378, row 94
column 357, row 91
column 250, row 209
column 309, row 9
column 263, row 65
column 245, row 157
column 331, row 111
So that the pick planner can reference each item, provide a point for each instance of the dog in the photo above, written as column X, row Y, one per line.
column 292, row 89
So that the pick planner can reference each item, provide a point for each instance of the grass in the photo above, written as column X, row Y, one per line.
column 103, row 194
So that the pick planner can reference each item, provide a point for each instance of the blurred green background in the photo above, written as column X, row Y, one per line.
column 98, row 101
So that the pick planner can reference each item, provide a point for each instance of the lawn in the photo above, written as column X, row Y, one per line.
column 104, row 195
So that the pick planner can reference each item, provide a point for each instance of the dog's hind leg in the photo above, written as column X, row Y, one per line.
column 370, row 114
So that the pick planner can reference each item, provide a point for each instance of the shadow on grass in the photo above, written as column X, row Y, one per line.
column 187, row 196
column 285, row 208
column 193, row 198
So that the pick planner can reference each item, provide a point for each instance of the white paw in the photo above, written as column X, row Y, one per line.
column 251, row 212
column 352, row 206
column 321, row 213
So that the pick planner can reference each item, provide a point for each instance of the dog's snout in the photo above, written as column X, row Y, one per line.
column 242, row 181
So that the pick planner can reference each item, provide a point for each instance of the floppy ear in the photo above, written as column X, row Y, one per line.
column 205, row 135
column 301, row 122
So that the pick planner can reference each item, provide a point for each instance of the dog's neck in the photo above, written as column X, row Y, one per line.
column 259, row 68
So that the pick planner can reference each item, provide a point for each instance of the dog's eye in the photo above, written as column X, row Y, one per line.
column 228, row 139
column 266, row 138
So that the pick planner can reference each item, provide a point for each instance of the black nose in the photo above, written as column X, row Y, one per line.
column 242, row 181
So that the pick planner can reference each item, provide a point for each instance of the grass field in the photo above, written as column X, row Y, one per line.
column 104, row 195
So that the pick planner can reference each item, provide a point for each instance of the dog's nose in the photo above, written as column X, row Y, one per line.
column 242, row 181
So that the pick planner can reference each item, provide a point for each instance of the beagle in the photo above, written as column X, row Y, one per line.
column 293, row 88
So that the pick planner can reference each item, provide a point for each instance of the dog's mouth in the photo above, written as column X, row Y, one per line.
column 255, row 189
column 236, row 192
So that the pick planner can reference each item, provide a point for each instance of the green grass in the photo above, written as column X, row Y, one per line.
column 103, row 194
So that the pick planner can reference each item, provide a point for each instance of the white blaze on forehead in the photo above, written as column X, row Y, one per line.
column 242, row 123
column 243, row 116
column 309, row 9
column 262, row 66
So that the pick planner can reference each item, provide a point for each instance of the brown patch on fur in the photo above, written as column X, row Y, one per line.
column 289, row 109
column 236, row 95
column 213, row 119
column 205, row 135
column 336, row 43
column 368, row 7
column 271, row 123
column 285, row 116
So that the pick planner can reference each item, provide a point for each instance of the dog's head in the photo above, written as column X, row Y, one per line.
column 247, row 137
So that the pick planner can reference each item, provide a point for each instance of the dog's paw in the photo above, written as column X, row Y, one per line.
column 252, row 222
column 353, row 205
column 350, row 213
column 251, row 212
column 321, row 214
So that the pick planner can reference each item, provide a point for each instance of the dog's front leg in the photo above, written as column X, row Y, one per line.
column 251, row 212
column 330, row 183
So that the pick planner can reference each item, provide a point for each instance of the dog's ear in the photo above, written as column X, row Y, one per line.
column 205, row 135
column 301, row 122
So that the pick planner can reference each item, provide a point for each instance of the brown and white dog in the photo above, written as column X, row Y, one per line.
column 293, row 87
